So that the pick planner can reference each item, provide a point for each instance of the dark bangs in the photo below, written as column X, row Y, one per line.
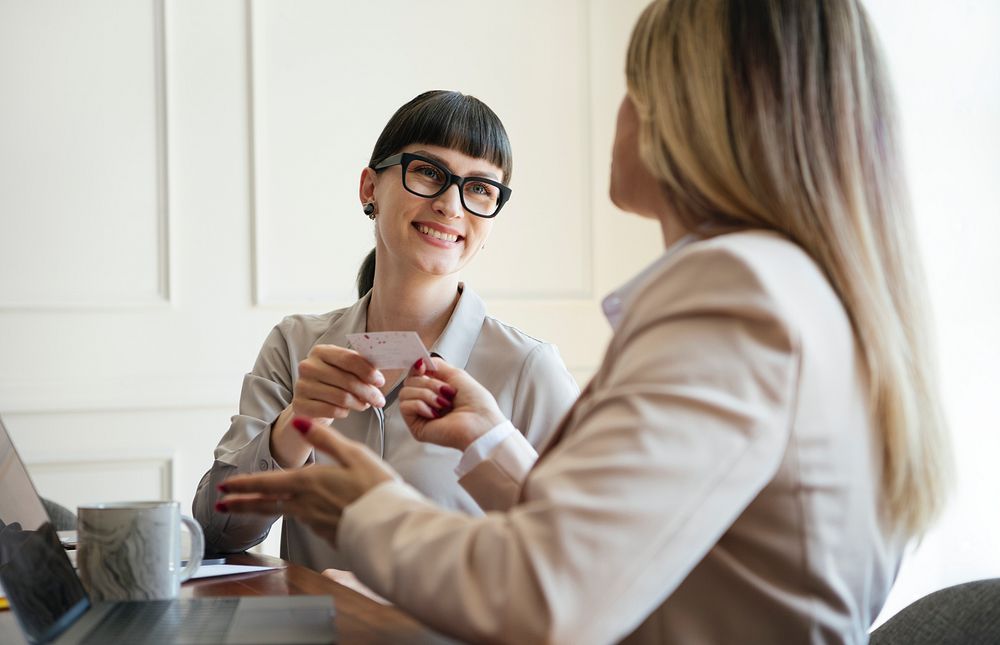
column 450, row 120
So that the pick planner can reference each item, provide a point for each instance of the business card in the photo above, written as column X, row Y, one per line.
column 390, row 350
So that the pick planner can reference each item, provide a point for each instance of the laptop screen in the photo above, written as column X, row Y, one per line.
column 37, row 577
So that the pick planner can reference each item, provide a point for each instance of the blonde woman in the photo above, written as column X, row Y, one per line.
column 763, row 435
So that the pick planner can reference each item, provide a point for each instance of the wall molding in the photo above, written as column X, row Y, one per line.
column 161, row 298
column 59, row 477
column 523, row 293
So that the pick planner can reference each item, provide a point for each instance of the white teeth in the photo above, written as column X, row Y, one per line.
column 447, row 237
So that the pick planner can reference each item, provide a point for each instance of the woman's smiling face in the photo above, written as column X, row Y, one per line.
column 436, row 235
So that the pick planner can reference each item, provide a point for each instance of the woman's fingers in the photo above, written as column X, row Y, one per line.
column 442, row 370
column 416, row 408
column 274, row 485
column 318, row 409
column 254, row 504
column 331, row 384
column 350, row 361
column 310, row 390
column 428, row 382
column 427, row 395
column 419, row 368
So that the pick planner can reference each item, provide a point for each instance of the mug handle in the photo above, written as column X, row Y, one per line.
column 197, row 547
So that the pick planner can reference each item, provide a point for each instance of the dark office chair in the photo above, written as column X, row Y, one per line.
column 62, row 518
column 966, row 614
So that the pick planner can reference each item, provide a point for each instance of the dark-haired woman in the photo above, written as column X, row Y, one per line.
column 433, row 187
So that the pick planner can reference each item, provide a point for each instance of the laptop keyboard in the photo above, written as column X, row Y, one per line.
column 200, row 621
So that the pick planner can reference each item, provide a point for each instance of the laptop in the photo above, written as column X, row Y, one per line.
column 51, row 605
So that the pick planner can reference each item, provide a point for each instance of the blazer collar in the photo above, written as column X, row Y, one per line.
column 616, row 303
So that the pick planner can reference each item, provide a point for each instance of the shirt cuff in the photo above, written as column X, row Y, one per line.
column 480, row 449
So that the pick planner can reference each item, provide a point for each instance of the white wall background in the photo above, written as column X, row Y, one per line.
column 177, row 176
column 943, row 58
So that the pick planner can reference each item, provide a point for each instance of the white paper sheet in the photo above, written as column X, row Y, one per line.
column 214, row 570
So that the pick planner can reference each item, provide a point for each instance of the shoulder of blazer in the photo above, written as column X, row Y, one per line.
column 755, row 274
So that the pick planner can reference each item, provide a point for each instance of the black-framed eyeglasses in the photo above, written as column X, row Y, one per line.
column 426, row 177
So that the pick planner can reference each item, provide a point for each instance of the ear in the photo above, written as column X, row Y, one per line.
column 366, row 189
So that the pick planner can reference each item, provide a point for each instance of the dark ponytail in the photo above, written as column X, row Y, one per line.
column 366, row 274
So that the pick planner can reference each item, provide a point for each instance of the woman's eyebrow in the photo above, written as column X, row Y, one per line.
column 474, row 173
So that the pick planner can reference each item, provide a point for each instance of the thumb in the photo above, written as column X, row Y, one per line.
column 442, row 369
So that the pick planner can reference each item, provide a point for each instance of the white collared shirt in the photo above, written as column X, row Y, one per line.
column 526, row 376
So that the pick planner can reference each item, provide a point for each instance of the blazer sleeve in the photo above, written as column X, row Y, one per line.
column 245, row 448
column 495, row 482
column 686, row 424
column 545, row 392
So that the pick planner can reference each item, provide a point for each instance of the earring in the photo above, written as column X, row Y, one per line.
column 369, row 210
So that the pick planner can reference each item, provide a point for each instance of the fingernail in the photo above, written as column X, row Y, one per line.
column 437, row 413
column 442, row 402
column 223, row 488
column 418, row 364
column 379, row 379
column 221, row 507
column 448, row 391
column 445, row 410
column 381, row 401
column 302, row 424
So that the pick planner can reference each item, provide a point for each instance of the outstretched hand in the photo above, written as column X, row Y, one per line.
column 316, row 494
column 442, row 404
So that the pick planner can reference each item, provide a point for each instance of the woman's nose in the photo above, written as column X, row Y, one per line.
column 449, row 203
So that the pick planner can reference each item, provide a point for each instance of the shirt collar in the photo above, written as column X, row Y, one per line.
column 352, row 321
column 616, row 302
column 460, row 335
column 455, row 343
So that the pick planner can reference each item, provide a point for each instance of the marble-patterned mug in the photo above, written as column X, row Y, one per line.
column 132, row 550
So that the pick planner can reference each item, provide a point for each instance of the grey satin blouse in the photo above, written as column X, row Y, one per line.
column 527, row 377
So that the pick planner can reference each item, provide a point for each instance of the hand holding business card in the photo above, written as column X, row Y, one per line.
column 390, row 350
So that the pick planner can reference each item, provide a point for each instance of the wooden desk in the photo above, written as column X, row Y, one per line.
column 358, row 619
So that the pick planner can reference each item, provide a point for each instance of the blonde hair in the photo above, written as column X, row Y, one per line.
column 777, row 114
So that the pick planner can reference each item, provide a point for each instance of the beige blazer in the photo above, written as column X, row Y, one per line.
column 717, row 481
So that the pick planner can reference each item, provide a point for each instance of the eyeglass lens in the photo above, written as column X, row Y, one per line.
column 427, row 179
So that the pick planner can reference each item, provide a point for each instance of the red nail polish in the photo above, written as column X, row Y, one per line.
column 221, row 507
column 448, row 391
column 442, row 402
column 418, row 364
column 437, row 413
column 223, row 488
column 445, row 410
column 302, row 424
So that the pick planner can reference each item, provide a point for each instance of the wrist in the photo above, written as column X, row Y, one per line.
column 486, row 423
column 288, row 448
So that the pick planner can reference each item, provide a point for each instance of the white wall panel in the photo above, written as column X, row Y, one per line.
column 86, row 456
column 323, row 88
column 75, row 483
column 82, row 155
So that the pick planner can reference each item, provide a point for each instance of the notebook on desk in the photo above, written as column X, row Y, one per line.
column 51, row 605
